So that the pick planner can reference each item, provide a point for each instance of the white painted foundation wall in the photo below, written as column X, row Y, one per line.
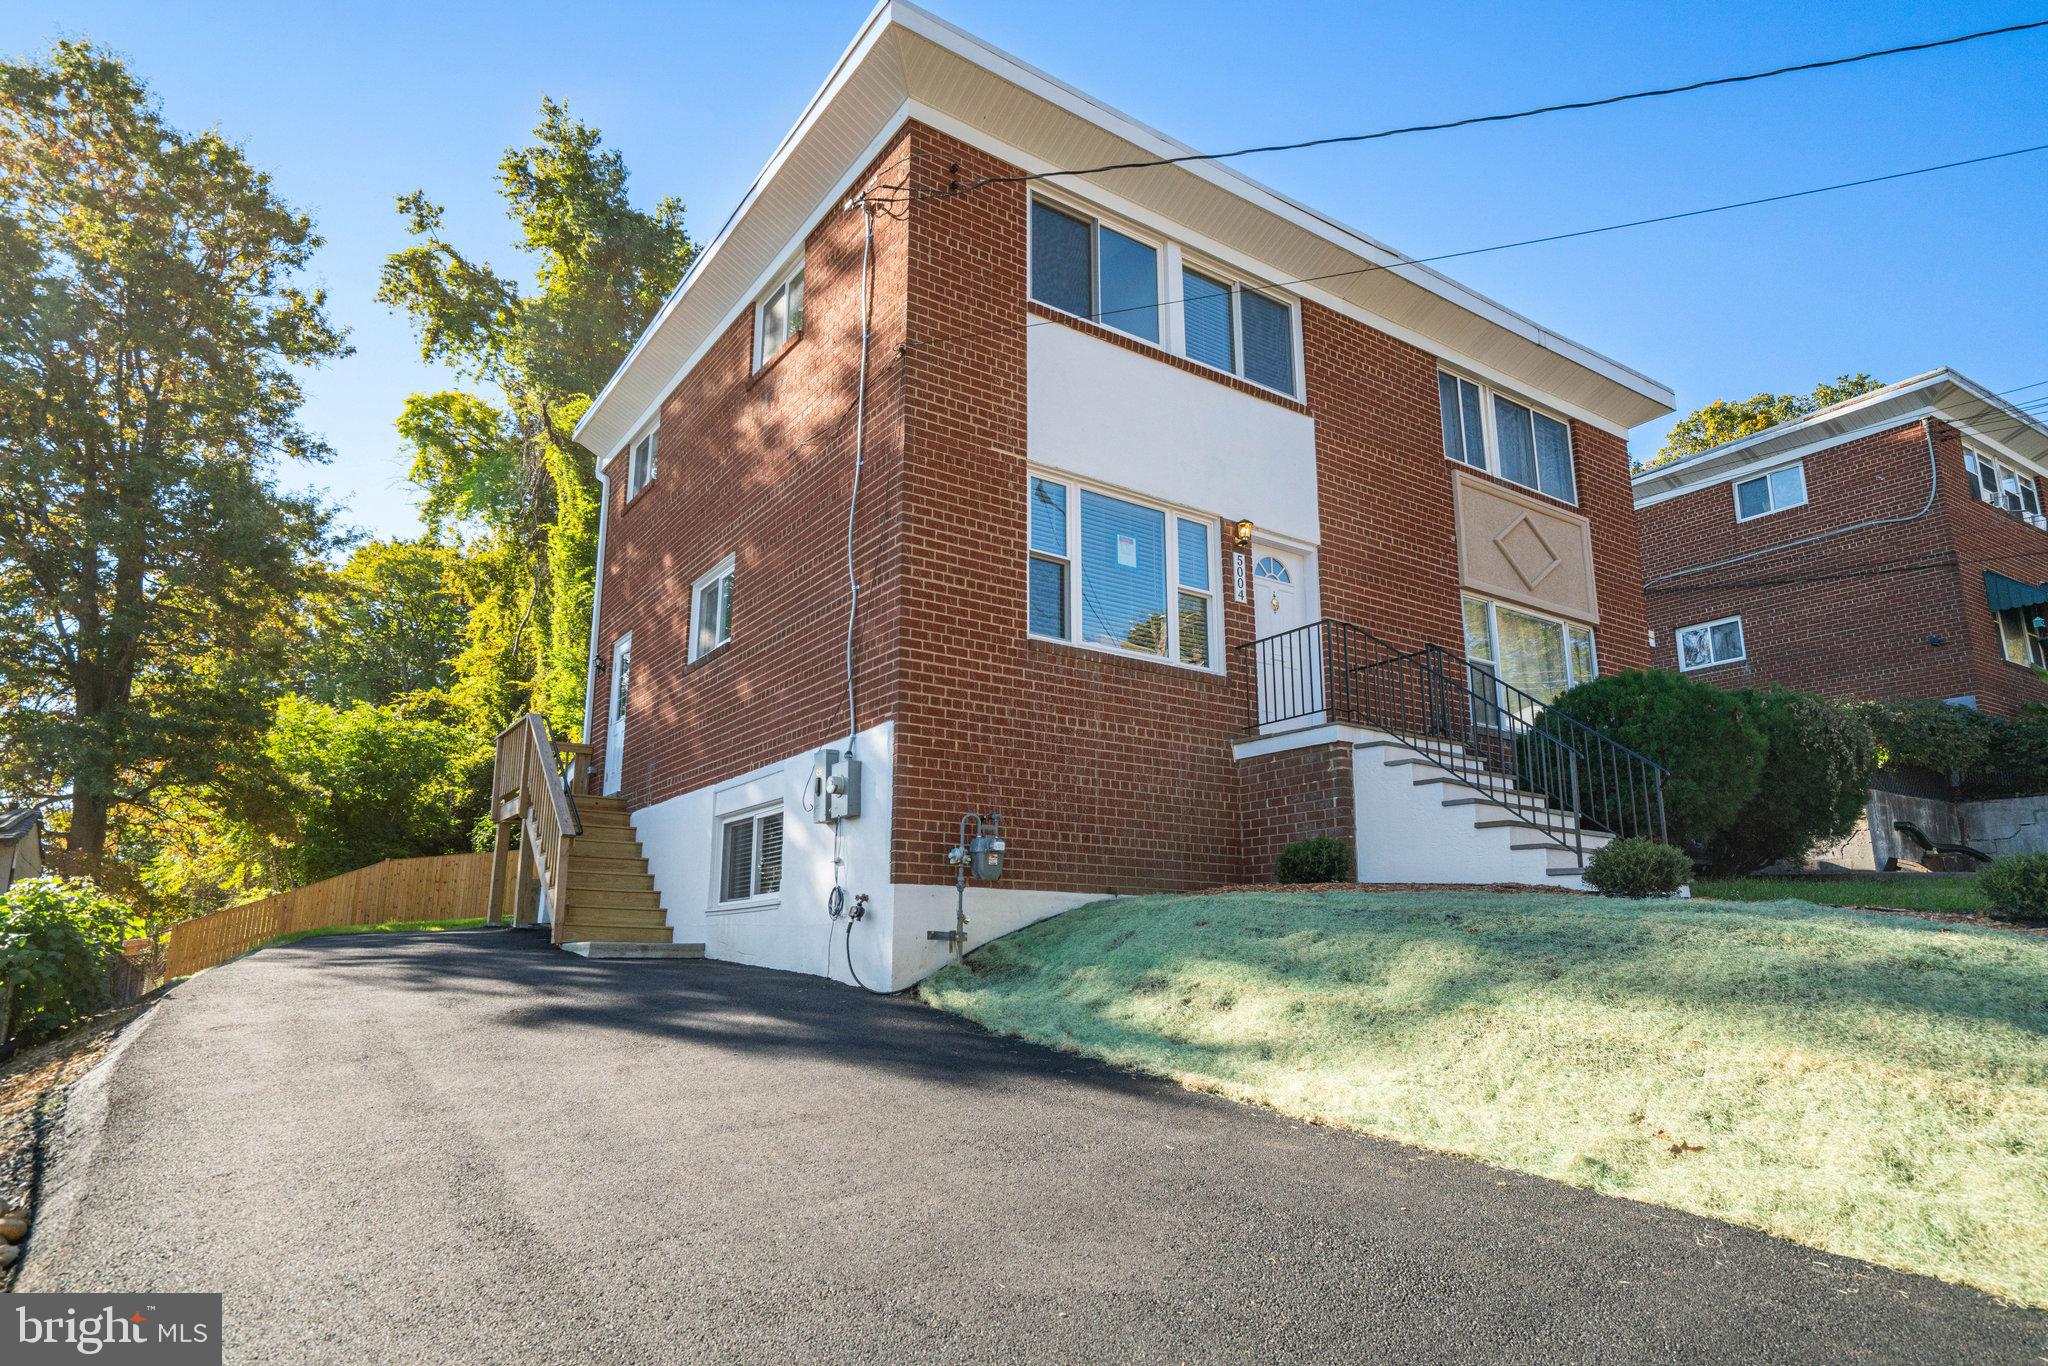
column 793, row 931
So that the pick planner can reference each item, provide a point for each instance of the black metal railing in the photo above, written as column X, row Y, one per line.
column 1552, row 771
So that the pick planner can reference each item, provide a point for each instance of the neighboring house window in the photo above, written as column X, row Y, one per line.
column 1091, row 269
column 1534, row 655
column 750, row 857
column 1768, row 493
column 780, row 316
column 1121, row 574
column 711, row 610
column 640, row 465
column 2003, row 486
column 1710, row 643
column 2025, row 638
column 1492, row 432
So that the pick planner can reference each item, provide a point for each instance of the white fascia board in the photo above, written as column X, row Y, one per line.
column 1347, row 238
column 1777, row 457
column 1254, row 270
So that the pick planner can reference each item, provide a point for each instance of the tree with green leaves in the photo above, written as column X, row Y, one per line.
column 504, row 462
column 390, row 634
column 152, row 572
column 1727, row 419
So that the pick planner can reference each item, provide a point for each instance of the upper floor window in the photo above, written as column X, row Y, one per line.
column 1084, row 266
column 2002, row 485
column 780, row 317
column 1768, row 493
column 1130, row 575
column 1088, row 268
column 1490, row 431
column 1710, row 643
column 640, row 465
column 711, row 610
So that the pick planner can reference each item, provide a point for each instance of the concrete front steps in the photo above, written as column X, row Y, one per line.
column 613, row 909
column 1418, row 820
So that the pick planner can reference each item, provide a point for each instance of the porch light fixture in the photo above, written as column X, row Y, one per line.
column 1243, row 531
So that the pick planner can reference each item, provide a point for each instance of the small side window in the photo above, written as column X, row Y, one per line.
column 640, row 464
column 711, row 610
column 750, row 857
column 780, row 317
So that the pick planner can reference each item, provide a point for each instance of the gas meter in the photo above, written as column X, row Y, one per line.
column 982, row 855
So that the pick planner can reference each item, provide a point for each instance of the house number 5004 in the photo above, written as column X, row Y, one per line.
column 1237, row 575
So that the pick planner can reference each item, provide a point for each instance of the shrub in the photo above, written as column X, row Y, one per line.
column 55, row 938
column 1818, row 759
column 1705, row 736
column 1634, row 867
column 1322, row 859
column 2017, row 886
column 1949, row 741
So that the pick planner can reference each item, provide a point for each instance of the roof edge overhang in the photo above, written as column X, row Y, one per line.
column 1945, row 394
column 905, row 59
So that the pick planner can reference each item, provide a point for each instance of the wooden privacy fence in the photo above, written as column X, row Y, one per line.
column 443, row 887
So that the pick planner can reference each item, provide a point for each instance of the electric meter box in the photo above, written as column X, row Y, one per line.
column 835, row 786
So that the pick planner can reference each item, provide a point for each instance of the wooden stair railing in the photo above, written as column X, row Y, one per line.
column 531, row 790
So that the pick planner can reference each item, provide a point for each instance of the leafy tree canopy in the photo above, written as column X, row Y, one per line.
column 503, row 460
column 151, row 328
column 391, row 633
column 1728, row 419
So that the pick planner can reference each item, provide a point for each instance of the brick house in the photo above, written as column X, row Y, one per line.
column 1146, row 480
column 1889, row 547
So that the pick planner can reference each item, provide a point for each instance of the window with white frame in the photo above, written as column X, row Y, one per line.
column 1504, row 436
column 750, row 856
column 780, row 316
column 1711, row 643
column 1121, row 573
column 1095, row 270
column 1522, row 659
column 1773, row 492
column 711, row 610
column 2024, row 636
column 640, row 464
column 2003, row 485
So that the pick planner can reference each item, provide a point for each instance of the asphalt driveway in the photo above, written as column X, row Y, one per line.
column 471, row 1147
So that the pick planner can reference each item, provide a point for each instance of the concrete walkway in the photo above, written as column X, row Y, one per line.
column 470, row 1147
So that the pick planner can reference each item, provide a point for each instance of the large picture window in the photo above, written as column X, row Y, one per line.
column 1120, row 573
column 1505, row 437
column 750, row 857
column 1536, row 657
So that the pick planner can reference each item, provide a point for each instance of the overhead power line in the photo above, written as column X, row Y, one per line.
column 927, row 343
column 1476, row 119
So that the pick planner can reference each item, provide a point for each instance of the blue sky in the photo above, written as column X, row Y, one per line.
column 349, row 105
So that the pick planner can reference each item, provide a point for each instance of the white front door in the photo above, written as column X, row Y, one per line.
column 615, row 725
column 1290, row 659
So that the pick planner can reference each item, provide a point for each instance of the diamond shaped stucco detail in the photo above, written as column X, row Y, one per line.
column 1526, row 552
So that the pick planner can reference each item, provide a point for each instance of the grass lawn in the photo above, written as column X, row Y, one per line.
column 1949, row 894
column 383, row 927
column 1875, row 1087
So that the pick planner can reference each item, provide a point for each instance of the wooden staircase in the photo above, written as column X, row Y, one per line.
column 576, row 851
column 609, row 893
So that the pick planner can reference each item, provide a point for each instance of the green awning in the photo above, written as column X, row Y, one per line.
column 2007, row 593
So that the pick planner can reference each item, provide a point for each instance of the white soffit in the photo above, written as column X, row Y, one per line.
column 906, row 55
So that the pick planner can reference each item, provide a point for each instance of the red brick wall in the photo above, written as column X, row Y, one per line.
column 760, row 466
column 1295, row 795
column 1851, row 616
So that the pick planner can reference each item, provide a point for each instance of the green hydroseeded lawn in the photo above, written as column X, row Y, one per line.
column 383, row 927
column 1876, row 1087
column 1952, row 894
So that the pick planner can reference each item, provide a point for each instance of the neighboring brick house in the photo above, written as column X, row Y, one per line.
column 1106, row 441
column 1889, row 547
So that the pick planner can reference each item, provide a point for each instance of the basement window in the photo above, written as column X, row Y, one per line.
column 1711, row 643
column 1118, row 573
column 750, row 857
column 1768, row 493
